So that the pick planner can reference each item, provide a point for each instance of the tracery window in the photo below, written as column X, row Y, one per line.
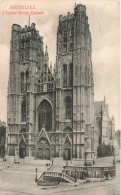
column 68, row 108
column 45, row 116
column 71, row 75
column 22, row 55
column 22, row 49
column 22, row 82
column 27, row 79
column 64, row 75
column 23, row 111
column 27, row 49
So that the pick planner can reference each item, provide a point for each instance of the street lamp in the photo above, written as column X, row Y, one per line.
column 85, row 160
column 85, row 163
column 36, row 174
column 75, row 175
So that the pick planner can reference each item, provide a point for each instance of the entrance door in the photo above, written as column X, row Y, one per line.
column 43, row 150
column 40, row 153
column 22, row 152
column 67, row 151
column 67, row 154
column 22, row 149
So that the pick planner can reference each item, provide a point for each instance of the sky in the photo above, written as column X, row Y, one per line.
column 104, row 22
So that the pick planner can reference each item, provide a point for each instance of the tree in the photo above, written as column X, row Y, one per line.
column 104, row 150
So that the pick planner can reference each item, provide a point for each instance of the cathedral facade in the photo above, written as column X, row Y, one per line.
column 51, row 111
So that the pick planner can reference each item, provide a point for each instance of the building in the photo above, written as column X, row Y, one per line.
column 2, row 138
column 118, row 136
column 104, row 123
column 51, row 112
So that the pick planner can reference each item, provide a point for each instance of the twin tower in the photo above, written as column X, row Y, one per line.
column 51, row 110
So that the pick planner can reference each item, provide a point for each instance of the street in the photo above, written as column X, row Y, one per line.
column 20, row 179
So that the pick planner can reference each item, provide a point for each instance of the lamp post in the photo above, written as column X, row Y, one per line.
column 36, row 174
column 85, row 160
column 114, row 163
column 85, row 163
column 75, row 175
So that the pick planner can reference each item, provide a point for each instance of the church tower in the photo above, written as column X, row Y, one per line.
column 26, row 58
column 74, row 83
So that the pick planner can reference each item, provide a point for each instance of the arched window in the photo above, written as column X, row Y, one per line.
column 98, row 122
column 68, row 108
column 45, row 116
column 22, row 43
column 27, row 79
column 22, row 49
column 23, row 111
column 22, row 82
column 64, row 75
column 71, row 75
column 27, row 48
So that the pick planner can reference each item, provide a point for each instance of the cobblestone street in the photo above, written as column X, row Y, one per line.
column 20, row 179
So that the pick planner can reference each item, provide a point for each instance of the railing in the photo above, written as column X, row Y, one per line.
column 41, row 176
column 55, row 174
column 52, row 174
column 68, row 178
column 89, row 172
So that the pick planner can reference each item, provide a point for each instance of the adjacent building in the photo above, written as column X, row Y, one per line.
column 2, row 138
column 104, row 123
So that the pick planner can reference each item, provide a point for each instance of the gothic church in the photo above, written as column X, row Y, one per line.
column 51, row 110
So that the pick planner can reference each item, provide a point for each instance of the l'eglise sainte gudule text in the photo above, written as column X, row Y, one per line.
column 22, row 12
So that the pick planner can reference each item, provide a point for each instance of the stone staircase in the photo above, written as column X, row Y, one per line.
column 61, row 177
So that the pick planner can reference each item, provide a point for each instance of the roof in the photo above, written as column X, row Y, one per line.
column 98, row 107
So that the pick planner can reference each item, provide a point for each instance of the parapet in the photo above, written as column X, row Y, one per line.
column 64, row 18
column 33, row 25
column 16, row 27
column 80, row 8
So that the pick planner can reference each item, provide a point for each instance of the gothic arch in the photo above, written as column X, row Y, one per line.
column 67, row 129
column 43, row 149
column 45, row 115
column 42, row 145
column 64, row 75
column 98, row 123
column 23, row 111
column 71, row 74
column 67, row 151
column 22, row 81
column 68, row 107
column 22, row 147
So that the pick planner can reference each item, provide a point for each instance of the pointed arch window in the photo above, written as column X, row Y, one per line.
column 68, row 108
column 27, row 48
column 22, row 55
column 71, row 75
column 22, row 49
column 45, row 116
column 27, row 79
column 23, row 111
column 64, row 75
column 22, row 82
column 22, row 43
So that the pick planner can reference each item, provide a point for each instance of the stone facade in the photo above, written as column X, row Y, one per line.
column 51, row 113
column 104, row 124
